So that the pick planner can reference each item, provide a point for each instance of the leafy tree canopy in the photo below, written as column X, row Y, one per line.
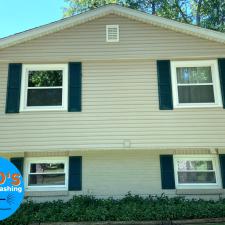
column 205, row 13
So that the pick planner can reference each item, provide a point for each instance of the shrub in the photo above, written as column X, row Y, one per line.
column 130, row 208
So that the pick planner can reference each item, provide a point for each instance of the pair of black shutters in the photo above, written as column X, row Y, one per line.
column 167, row 171
column 75, row 86
column 165, row 86
column 75, row 171
column 14, row 87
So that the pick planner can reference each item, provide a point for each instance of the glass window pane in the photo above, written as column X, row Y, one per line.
column 46, row 179
column 44, row 97
column 186, row 75
column 196, row 177
column 46, row 167
column 194, row 165
column 48, row 78
column 196, row 94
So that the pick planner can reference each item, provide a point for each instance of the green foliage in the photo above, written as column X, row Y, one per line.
column 130, row 208
column 44, row 78
column 206, row 13
column 213, row 15
column 78, row 6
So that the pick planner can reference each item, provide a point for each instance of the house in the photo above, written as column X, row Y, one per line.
column 113, row 101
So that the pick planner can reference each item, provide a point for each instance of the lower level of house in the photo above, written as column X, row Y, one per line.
column 60, row 175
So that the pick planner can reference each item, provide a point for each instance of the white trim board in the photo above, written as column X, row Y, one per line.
column 215, row 83
column 106, row 10
column 24, row 87
column 216, row 169
column 30, row 160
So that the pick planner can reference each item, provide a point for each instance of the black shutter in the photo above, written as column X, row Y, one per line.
column 13, row 88
column 18, row 162
column 75, row 173
column 75, row 87
column 167, row 172
column 222, row 168
column 164, row 85
column 221, row 64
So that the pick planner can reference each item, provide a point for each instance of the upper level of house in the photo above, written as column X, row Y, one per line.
column 112, row 78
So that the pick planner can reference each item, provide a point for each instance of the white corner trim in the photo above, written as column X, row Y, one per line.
column 215, row 78
column 106, row 10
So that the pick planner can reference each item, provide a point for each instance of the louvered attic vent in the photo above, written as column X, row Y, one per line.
column 112, row 33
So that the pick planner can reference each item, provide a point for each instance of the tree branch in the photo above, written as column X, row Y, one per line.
column 198, row 13
column 183, row 15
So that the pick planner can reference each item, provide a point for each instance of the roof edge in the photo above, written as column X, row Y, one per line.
column 103, row 11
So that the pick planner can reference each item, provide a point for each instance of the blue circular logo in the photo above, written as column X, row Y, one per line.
column 11, row 189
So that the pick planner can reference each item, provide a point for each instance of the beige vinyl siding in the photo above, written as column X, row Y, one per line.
column 120, row 104
column 115, row 173
column 119, row 95
column 88, row 42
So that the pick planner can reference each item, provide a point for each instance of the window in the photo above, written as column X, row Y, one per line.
column 196, row 84
column 44, row 87
column 112, row 33
column 45, row 174
column 196, row 172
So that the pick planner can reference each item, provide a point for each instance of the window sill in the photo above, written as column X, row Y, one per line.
column 196, row 106
column 42, row 109
column 45, row 193
column 200, row 191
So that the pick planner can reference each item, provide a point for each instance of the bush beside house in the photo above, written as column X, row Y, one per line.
column 130, row 208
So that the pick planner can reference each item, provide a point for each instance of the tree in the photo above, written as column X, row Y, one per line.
column 206, row 13
column 78, row 6
column 213, row 14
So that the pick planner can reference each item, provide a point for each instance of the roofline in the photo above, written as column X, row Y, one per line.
column 111, row 9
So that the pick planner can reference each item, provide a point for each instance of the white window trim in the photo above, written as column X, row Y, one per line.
column 118, row 33
column 24, row 86
column 29, row 161
column 215, row 78
column 216, row 166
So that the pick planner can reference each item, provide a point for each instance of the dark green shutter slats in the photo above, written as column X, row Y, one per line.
column 167, row 172
column 222, row 168
column 164, row 85
column 13, row 88
column 18, row 162
column 221, row 64
column 75, row 173
column 75, row 87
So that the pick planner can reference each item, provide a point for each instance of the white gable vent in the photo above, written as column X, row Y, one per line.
column 112, row 33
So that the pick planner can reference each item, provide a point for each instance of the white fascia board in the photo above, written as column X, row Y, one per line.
column 112, row 9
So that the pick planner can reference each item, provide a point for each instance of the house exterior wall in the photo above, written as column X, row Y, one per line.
column 88, row 42
column 120, row 132
column 117, row 173
column 120, row 109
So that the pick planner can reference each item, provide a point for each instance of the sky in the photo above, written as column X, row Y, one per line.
column 20, row 15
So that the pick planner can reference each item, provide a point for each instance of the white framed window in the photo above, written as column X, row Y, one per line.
column 196, row 84
column 43, row 174
column 112, row 33
column 197, row 172
column 44, row 87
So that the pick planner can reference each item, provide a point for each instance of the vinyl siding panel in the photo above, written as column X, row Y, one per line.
column 88, row 42
column 119, row 92
column 115, row 173
column 120, row 104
